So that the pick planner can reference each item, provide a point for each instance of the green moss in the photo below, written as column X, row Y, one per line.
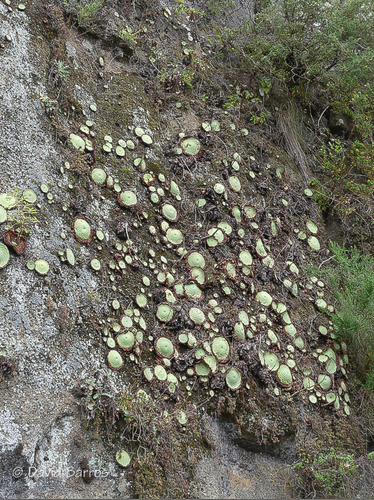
column 150, row 481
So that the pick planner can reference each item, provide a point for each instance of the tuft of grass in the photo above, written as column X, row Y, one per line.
column 351, row 281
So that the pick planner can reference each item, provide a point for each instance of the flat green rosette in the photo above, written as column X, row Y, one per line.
column 164, row 313
column 120, row 151
column 141, row 300
column 70, row 257
column 123, row 458
column 127, row 199
column 175, row 190
column 198, row 274
column 246, row 257
column 225, row 226
column 77, row 142
column 219, row 188
column 95, row 264
column 290, row 329
column 182, row 418
column 126, row 340
column 170, row 212
column 4, row 255
column 7, row 200
column 215, row 125
column 196, row 315
column 271, row 361
column 115, row 360
column 239, row 331
column 164, row 347
column 331, row 366
column 138, row 131
column 264, row 298
column 211, row 361
column 314, row 243
column 202, row 369
column 233, row 379
column 174, row 236
column 324, row 381
column 148, row 374
column 308, row 384
column 147, row 139
column 82, row 230
column 193, row 291
column 235, row 183
column 99, row 176
column 29, row 195
column 3, row 214
column 191, row 146
column 41, row 266
column 284, row 375
column 260, row 248
column 195, row 259
column 160, row 373
column 330, row 397
column 312, row 227
column 250, row 211
column 299, row 342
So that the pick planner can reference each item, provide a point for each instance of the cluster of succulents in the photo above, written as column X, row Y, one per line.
column 193, row 278
column 183, row 285
column 18, row 210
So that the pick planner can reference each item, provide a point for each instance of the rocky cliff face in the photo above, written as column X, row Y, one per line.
column 174, row 321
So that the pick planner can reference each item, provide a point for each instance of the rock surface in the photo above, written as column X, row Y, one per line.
column 55, row 326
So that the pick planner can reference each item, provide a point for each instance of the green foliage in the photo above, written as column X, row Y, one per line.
column 128, row 36
column 63, row 70
column 321, row 195
column 347, row 163
column 99, row 403
column 326, row 473
column 351, row 280
column 370, row 379
column 219, row 7
column 243, row 100
column 49, row 104
column 346, row 183
column 316, row 45
column 265, row 86
column 59, row 71
column 187, row 77
column 182, row 8
column 84, row 10
column 22, row 215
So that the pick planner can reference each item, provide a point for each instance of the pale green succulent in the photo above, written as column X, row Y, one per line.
column 4, row 255
column 221, row 349
column 115, row 360
column 164, row 347
column 284, row 375
column 191, row 146
column 123, row 458
column 233, row 379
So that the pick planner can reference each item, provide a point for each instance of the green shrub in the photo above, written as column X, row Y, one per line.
column 345, row 187
column 325, row 474
column 316, row 46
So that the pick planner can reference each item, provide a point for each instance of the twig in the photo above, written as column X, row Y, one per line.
column 323, row 112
